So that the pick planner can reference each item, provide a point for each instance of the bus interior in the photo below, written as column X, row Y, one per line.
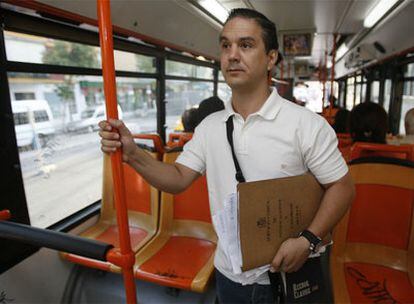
column 336, row 54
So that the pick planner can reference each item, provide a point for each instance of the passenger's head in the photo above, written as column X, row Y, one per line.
column 368, row 122
column 209, row 106
column 409, row 122
column 189, row 120
column 268, row 28
column 340, row 124
column 249, row 48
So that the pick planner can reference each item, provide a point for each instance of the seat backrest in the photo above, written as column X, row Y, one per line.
column 373, row 244
column 142, row 199
column 363, row 149
column 191, row 204
column 381, row 216
column 178, row 139
column 155, row 139
column 344, row 144
column 344, row 139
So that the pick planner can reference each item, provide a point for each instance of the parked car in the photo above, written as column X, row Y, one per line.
column 32, row 117
column 90, row 118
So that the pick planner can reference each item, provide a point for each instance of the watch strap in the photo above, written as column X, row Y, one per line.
column 312, row 238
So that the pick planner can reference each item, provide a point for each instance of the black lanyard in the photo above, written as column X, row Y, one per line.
column 230, row 127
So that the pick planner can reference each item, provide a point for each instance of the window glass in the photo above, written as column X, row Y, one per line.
column 175, row 68
column 357, row 94
column 223, row 91
column 204, row 72
column 21, row 118
column 58, row 144
column 126, row 61
column 350, row 93
column 375, row 89
column 40, row 116
column 24, row 95
column 137, row 99
column 363, row 92
column 409, row 70
column 220, row 76
column 341, row 93
column 183, row 95
column 60, row 157
column 407, row 103
column 387, row 94
column 34, row 49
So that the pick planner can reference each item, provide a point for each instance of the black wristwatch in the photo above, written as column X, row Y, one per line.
column 313, row 240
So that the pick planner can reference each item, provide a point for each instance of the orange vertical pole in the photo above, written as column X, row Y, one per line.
column 333, row 71
column 126, row 255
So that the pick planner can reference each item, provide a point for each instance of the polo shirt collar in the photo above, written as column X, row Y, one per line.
column 268, row 111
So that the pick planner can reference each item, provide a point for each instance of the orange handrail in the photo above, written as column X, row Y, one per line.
column 124, row 257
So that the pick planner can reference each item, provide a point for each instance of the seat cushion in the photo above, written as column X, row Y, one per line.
column 111, row 236
column 178, row 262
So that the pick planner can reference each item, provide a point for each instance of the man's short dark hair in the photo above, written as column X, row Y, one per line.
column 269, row 31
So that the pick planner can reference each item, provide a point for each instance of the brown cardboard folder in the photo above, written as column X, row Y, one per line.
column 271, row 211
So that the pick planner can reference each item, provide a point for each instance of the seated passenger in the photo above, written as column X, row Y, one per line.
column 368, row 122
column 207, row 107
column 340, row 124
column 408, row 138
column 189, row 120
column 409, row 128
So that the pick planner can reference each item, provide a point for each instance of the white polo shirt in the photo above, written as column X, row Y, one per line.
column 281, row 139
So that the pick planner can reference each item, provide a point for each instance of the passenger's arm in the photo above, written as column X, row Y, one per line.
column 338, row 197
column 171, row 178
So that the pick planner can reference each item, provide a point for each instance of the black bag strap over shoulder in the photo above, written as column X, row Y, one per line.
column 230, row 128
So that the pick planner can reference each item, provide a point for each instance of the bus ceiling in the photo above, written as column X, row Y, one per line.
column 305, row 36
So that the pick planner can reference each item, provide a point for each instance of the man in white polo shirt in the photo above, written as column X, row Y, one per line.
column 272, row 138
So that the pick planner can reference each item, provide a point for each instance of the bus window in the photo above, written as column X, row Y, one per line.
column 34, row 49
column 375, row 90
column 137, row 98
column 350, row 93
column 175, row 68
column 126, row 61
column 357, row 94
column 53, row 153
column 224, row 91
column 182, row 95
column 407, row 102
column 387, row 94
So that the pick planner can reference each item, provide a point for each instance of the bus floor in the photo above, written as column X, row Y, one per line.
column 86, row 285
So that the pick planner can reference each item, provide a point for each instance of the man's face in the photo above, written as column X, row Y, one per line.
column 244, row 61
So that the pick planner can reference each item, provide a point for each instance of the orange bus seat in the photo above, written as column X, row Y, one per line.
column 363, row 149
column 182, row 253
column 344, row 144
column 372, row 258
column 157, row 142
column 178, row 139
column 143, row 209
